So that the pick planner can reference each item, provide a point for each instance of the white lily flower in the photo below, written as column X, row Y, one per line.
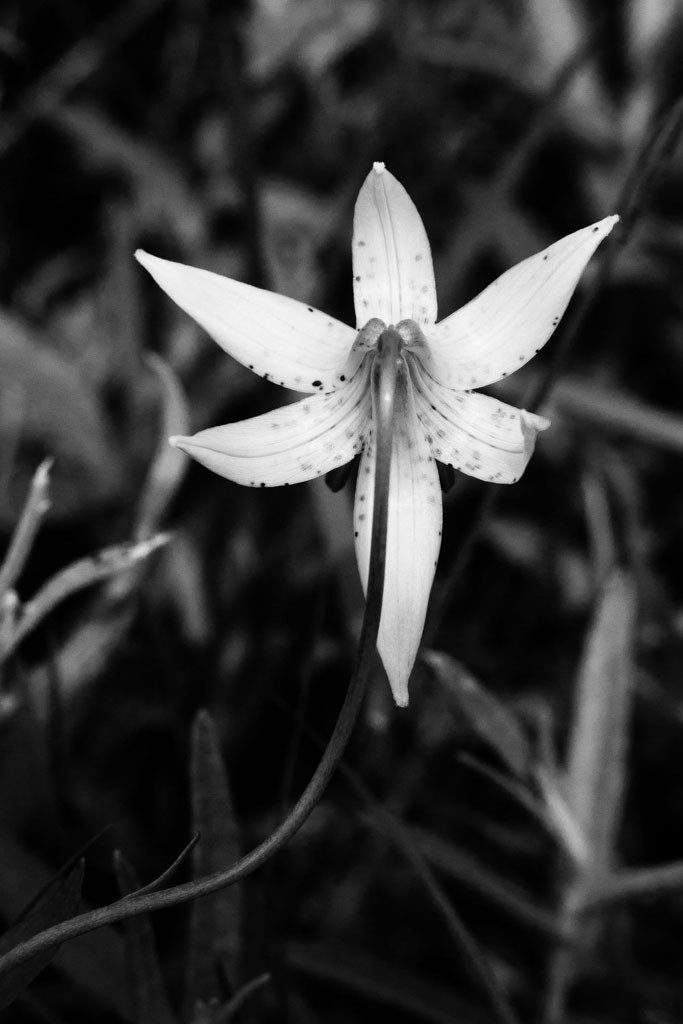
column 436, row 418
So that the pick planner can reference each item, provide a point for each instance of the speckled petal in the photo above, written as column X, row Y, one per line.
column 281, row 339
column 510, row 321
column 295, row 443
column 474, row 433
column 393, row 278
column 413, row 540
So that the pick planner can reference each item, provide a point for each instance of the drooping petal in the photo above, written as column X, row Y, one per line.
column 413, row 540
column 474, row 433
column 393, row 277
column 294, row 443
column 279, row 338
column 506, row 324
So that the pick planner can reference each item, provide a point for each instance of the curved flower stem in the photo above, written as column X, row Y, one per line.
column 385, row 379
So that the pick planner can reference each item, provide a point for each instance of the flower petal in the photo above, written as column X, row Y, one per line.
column 393, row 278
column 507, row 323
column 281, row 339
column 475, row 433
column 413, row 540
column 289, row 445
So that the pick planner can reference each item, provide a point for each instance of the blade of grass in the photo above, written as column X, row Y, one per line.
column 485, row 714
column 245, row 993
column 214, row 931
column 168, row 466
column 150, row 1002
column 37, row 505
column 169, row 872
column 596, row 771
column 59, row 902
column 80, row 574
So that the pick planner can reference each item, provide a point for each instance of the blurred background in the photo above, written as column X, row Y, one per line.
column 530, row 797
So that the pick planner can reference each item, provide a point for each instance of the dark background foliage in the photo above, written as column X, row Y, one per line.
column 539, row 765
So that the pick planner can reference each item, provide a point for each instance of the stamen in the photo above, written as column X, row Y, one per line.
column 368, row 336
column 411, row 335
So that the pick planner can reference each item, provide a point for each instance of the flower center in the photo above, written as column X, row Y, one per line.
column 370, row 337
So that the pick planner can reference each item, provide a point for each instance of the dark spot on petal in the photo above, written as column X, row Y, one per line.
column 596, row 228
column 342, row 377
column 357, row 277
column 360, row 244
column 316, row 383
column 310, row 309
column 545, row 256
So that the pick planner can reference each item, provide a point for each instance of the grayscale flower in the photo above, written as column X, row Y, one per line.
column 437, row 415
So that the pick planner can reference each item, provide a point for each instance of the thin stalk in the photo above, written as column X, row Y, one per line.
column 385, row 379
column 37, row 504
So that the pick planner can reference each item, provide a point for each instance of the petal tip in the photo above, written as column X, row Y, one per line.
column 379, row 167
column 399, row 686
column 608, row 223
column 176, row 441
column 533, row 421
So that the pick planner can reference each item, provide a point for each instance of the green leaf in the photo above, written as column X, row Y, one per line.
column 214, row 929
column 485, row 714
column 150, row 1003
column 58, row 904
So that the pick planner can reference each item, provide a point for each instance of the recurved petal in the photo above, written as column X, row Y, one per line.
column 294, row 443
column 510, row 321
column 474, row 433
column 281, row 339
column 393, row 278
column 413, row 540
